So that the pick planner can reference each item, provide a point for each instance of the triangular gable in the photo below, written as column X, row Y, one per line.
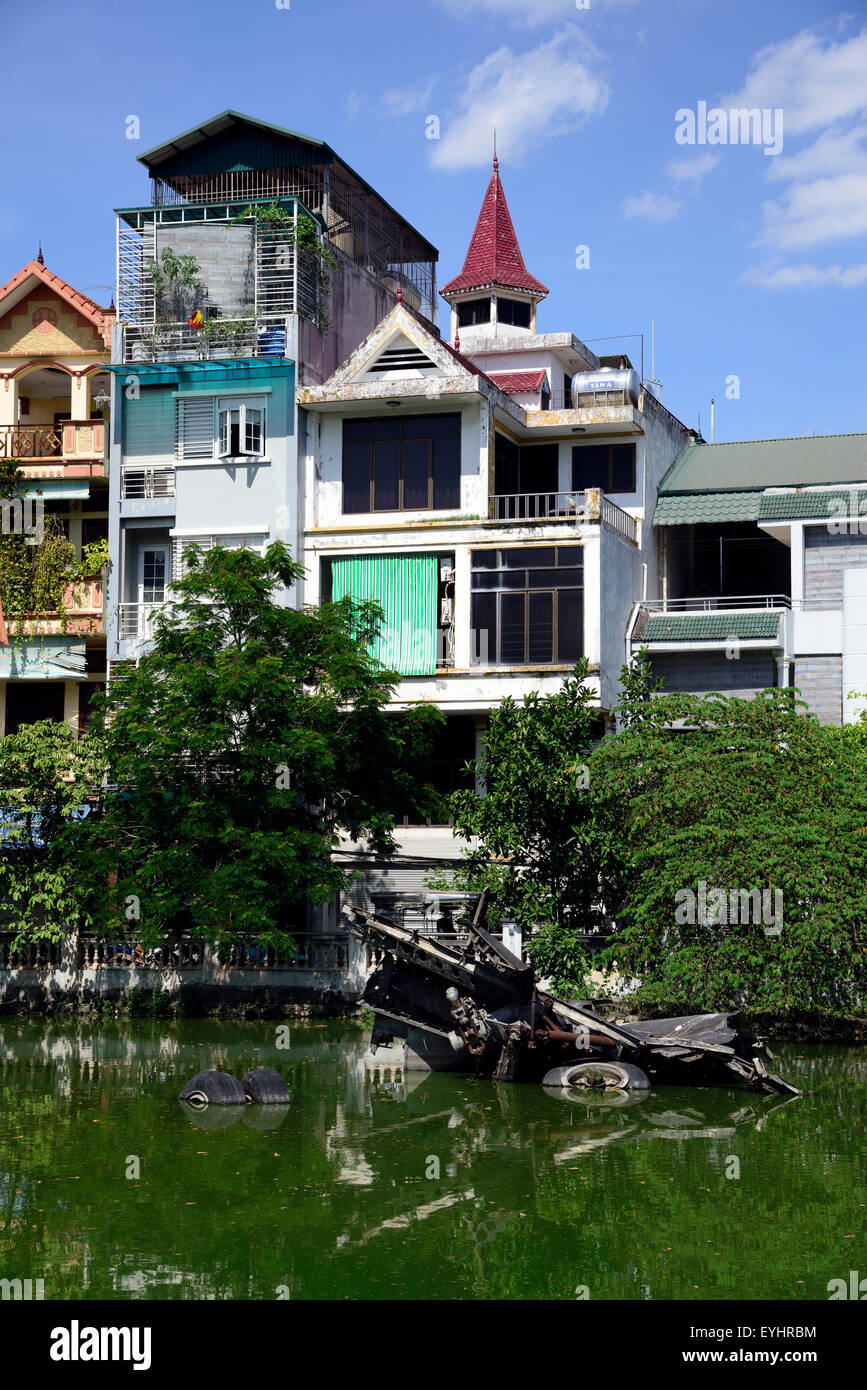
column 34, row 276
column 418, row 353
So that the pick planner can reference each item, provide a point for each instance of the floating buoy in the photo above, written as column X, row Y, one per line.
column 265, row 1086
column 213, row 1088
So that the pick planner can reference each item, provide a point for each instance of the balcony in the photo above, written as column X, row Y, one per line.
column 70, row 442
column 83, row 607
column 219, row 340
column 135, row 621
column 587, row 506
column 142, row 482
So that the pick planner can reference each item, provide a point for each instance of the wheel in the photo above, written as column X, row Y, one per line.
column 598, row 1076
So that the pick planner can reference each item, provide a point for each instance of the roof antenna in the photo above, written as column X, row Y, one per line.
column 457, row 339
column 496, row 161
column 399, row 291
column 40, row 258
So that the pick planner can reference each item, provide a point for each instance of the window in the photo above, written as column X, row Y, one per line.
column 513, row 311
column 474, row 311
column 196, row 428
column 527, row 606
column 609, row 466
column 242, row 540
column 241, row 429
column 404, row 464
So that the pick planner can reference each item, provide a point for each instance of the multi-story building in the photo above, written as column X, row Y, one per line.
column 259, row 262
column 763, row 572
column 54, row 353
column 501, row 522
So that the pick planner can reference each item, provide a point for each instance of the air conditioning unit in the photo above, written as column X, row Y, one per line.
column 446, row 612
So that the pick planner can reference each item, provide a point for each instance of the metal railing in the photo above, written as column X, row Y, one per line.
column 715, row 603
column 620, row 521
column 143, row 482
column 219, row 340
column 135, row 620
column 534, row 506
column 191, row 953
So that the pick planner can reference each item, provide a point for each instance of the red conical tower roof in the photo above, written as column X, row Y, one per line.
column 494, row 256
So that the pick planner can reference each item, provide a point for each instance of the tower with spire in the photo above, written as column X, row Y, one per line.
column 494, row 296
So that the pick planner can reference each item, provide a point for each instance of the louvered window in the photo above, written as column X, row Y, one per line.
column 195, row 439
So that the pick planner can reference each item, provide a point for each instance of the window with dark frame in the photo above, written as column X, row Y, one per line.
column 474, row 311
column 409, row 463
column 527, row 606
column 513, row 311
column 609, row 466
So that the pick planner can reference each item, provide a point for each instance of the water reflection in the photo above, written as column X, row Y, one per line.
column 378, row 1183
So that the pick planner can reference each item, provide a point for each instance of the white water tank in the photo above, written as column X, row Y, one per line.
column 608, row 386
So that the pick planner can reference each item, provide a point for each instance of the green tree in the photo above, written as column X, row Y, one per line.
column 743, row 797
column 246, row 742
column 532, row 837
column 48, row 782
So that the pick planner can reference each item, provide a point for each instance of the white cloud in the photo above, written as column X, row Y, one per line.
column 815, row 82
column 811, row 214
column 692, row 169
column 528, row 97
column 403, row 101
column 821, row 86
column 803, row 276
column 354, row 104
column 656, row 207
column 837, row 151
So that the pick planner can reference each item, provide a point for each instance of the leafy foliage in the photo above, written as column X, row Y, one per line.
column 738, row 795
column 47, row 783
column 241, row 747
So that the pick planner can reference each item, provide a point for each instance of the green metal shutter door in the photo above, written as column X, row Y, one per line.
column 405, row 587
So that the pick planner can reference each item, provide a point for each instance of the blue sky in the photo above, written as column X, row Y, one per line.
column 752, row 266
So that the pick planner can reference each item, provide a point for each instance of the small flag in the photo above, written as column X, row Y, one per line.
column 196, row 320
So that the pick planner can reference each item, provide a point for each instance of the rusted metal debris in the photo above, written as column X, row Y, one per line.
column 479, row 1008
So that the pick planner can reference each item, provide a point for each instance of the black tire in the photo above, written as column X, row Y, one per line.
column 265, row 1086
column 213, row 1088
column 598, row 1076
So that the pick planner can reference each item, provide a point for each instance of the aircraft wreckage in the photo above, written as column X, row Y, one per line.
column 477, row 1007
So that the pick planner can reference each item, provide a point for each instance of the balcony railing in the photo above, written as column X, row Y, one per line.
column 144, row 482
column 534, row 506
column 83, row 605
column 135, row 621
column 219, row 340
column 619, row 520
column 70, row 440
column 716, row 603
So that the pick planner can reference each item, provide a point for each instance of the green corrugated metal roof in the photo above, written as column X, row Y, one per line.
column 697, row 508
column 710, row 627
column 762, row 463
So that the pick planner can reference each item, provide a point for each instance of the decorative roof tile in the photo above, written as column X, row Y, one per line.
column 519, row 381
column 97, row 315
column 711, row 627
column 494, row 256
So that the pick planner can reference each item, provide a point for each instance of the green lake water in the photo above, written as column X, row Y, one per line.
column 438, row 1187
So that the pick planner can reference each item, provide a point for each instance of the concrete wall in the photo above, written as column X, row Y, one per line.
column 826, row 556
column 854, row 643
column 356, row 304
column 820, row 681
column 209, row 988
